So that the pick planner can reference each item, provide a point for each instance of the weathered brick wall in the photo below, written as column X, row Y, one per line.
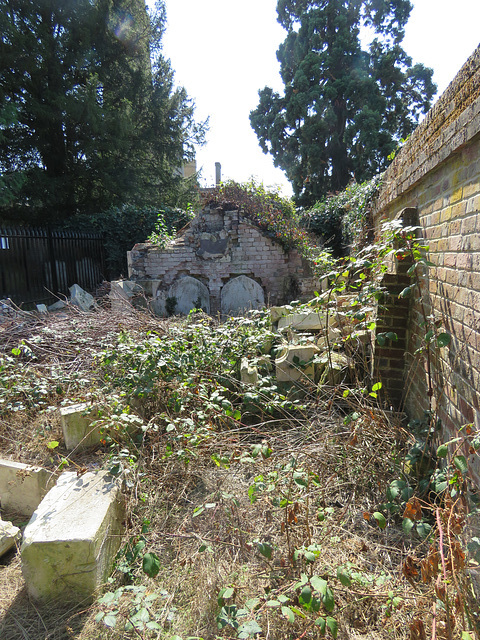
column 438, row 173
column 216, row 247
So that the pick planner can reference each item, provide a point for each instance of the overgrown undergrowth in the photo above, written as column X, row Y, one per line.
column 253, row 512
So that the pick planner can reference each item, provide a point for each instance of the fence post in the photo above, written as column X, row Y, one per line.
column 51, row 258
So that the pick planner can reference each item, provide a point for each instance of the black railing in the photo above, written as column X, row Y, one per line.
column 36, row 265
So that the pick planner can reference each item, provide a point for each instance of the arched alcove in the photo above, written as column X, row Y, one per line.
column 189, row 293
column 241, row 294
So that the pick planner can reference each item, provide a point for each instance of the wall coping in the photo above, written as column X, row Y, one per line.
column 449, row 125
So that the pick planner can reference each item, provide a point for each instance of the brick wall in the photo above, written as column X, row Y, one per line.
column 217, row 246
column 437, row 173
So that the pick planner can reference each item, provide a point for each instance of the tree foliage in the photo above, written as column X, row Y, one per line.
column 344, row 107
column 95, row 119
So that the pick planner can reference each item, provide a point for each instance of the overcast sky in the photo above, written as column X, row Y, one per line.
column 224, row 51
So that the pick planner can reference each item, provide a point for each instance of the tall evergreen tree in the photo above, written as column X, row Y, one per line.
column 344, row 107
column 97, row 118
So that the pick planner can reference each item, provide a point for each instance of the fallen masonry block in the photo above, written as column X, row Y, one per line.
column 71, row 540
column 22, row 487
column 9, row 536
column 290, row 366
column 80, row 298
column 248, row 372
column 310, row 321
column 78, row 430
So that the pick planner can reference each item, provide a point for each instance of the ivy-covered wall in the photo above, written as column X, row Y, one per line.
column 437, row 173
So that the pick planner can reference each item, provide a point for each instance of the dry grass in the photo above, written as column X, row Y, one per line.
column 201, row 554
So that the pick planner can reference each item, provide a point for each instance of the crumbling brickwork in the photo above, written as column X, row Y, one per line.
column 218, row 246
column 438, row 173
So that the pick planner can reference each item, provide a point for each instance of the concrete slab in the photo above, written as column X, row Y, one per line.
column 303, row 321
column 22, row 486
column 71, row 540
column 78, row 431
column 289, row 367
column 9, row 536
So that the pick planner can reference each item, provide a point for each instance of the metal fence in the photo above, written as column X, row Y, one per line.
column 38, row 264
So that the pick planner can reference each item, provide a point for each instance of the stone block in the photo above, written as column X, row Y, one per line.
column 22, row 487
column 57, row 306
column 303, row 321
column 248, row 372
column 333, row 368
column 71, row 540
column 78, row 431
column 290, row 365
column 9, row 536
column 80, row 298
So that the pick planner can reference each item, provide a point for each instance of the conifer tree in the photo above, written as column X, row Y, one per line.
column 97, row 120
column 345, row 107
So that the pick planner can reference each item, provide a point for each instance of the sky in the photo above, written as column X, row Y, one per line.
column 224, row 51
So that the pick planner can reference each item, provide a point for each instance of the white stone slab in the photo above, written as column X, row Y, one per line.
column 78, row 431
column 9, row 536
column 287, row 368
column 71, row 540
column 22, row 486
column 308, row 321
column 248, row 372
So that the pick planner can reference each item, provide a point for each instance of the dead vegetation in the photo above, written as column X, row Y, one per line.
column 270, row 524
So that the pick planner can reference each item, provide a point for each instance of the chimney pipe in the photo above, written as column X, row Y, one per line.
column 218, row 173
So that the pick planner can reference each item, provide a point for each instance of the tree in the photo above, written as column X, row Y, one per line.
column 344, row 108
column 98, row 121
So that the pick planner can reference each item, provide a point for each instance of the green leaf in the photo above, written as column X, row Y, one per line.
column 309, row 556
column 406, row 292
column 394, row 489
column 228, row 593
column 252, row 603
column 443, row 339
column 344, row 576
column 322, row 623
column 305, row 595
column 377, row 386
column 299, row 477
column 380, row 519
column 265, row 549
column 407, row 525
column 151, row 564
column 332, row 625
column 110, row 620
column 288, row 613
column 272, row 603
column 298, row 612
column 319, row 584
column 328, row 600
column 442, row 451
column 53, row 444
column 461, row 463
column 249, row 629
column 423, row 529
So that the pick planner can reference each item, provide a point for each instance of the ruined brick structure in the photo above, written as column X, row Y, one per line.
column 435, row 182
column 223, row 261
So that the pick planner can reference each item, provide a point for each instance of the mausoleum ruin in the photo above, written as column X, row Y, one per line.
column 222, row 263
